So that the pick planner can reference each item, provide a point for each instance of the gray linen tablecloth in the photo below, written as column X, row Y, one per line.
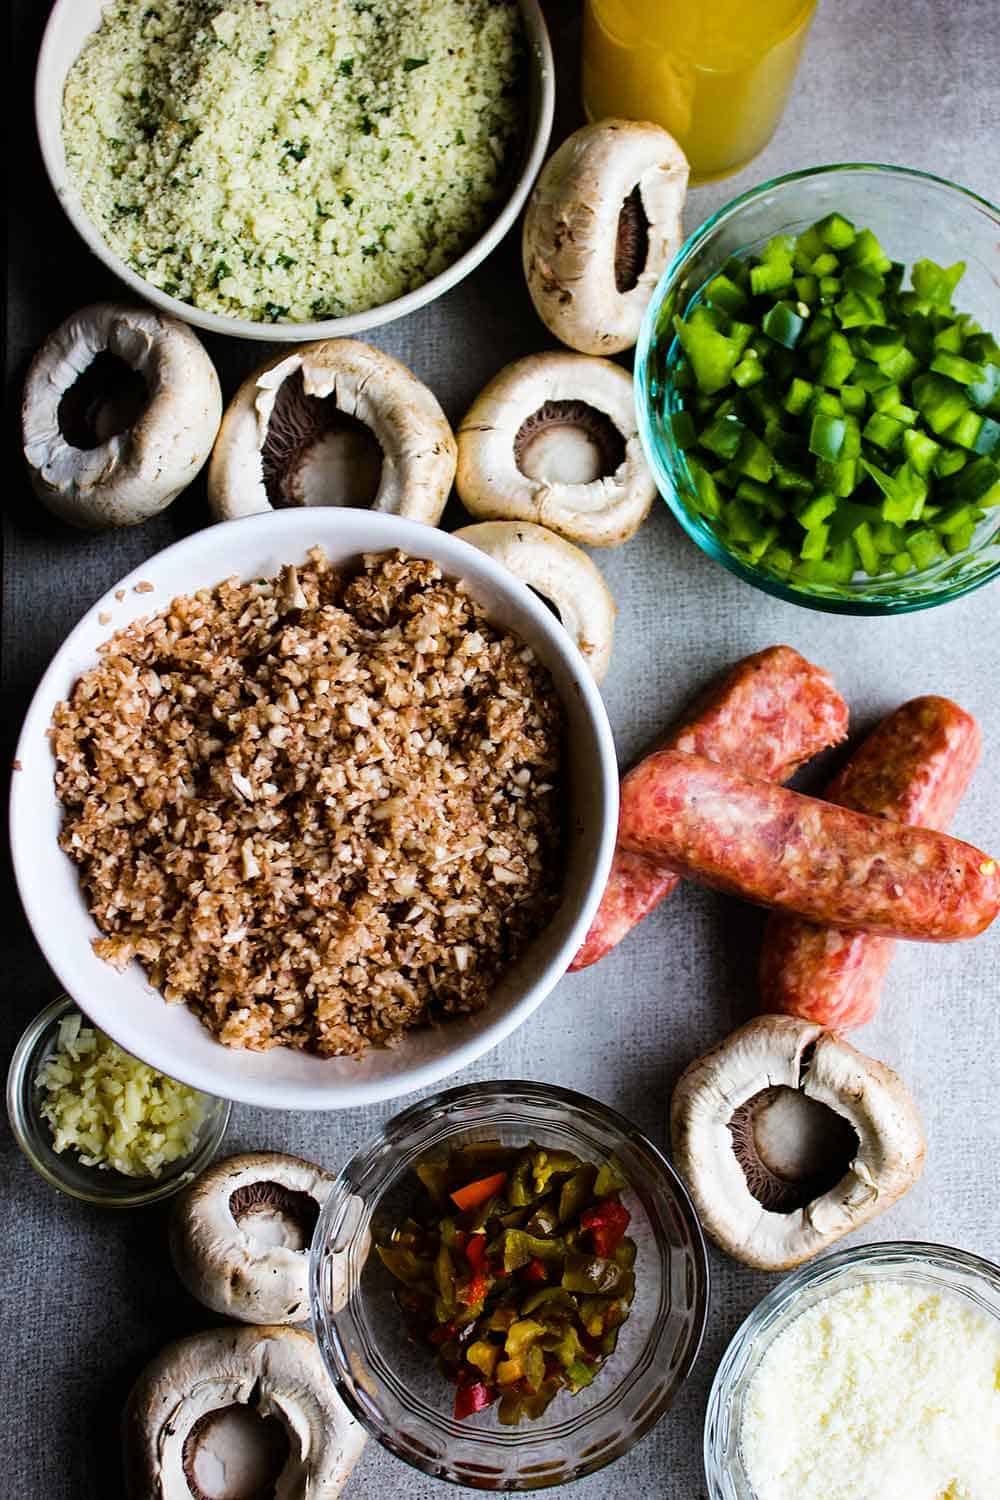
column 89, row 1296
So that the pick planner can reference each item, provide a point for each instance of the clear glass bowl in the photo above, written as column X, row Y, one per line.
column 915, row 216
column 394, row 1386
column 63, row 1169
column 935, row 1267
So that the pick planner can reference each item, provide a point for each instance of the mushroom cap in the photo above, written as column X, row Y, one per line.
column 135, row 473
column 561, row 573
column 574, row 225
column 365, row 383
column 277, row 1372
column 601, row 512
column 222, row 1262
column 781, row 1050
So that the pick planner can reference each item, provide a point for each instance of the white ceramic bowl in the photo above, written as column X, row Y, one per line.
column 168, row 1036
column 71, row 23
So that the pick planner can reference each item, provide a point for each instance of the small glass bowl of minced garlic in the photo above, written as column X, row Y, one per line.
column 98, row 1123
column 871, row 1372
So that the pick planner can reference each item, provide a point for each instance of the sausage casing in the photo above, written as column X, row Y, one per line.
column 913, row 768
column 766, row 717
column 779, row 849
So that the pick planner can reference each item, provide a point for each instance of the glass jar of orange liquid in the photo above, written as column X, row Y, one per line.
column 715, row 73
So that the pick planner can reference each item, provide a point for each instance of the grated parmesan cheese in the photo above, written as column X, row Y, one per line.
column 885, row 1389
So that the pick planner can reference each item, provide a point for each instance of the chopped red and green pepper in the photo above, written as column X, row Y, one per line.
column 833, row 422
column 516, row 1270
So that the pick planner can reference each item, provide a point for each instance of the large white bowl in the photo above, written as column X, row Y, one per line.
column 71, row 23
column 168, row 1036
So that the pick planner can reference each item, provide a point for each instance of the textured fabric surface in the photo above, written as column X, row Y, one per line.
column 90, row 1296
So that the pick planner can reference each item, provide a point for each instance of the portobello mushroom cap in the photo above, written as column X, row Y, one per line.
column 553, row 439
column 789, row 1138
column 240, row 1235
column 238, row 1411
column 333, row 423
column 602, row 222
column 563, row 574
column 120, row 410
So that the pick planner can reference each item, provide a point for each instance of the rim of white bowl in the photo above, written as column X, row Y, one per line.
column 48, row 125
column 419, row 540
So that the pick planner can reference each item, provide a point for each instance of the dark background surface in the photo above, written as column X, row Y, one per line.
column 89, row 1295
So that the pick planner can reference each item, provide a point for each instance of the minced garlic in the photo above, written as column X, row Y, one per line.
column 885, row 1389
column 113, row 1110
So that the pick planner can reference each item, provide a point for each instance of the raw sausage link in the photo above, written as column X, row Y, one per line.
column 914, row 768
column 766, row 717
column 780, row 849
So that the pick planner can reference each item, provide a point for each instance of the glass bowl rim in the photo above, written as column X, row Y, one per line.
column 398, row 1129
column 781, row 1299
column 710, row 544
column 20, row 1080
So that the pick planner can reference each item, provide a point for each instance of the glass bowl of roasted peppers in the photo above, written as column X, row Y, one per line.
column 818, row 388
column 509, row 1285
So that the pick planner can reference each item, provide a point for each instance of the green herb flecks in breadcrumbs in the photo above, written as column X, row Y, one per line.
column 205, row 133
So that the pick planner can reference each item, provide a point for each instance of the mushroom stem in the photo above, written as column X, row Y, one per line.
column 315, row 454
column 568, row 442
column 791, row 1148
column 275, row 1215
column 234, row 1453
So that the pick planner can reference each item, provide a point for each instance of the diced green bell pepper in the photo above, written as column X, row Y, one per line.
column 826, row 436
column 783, row 324
column 713, row 355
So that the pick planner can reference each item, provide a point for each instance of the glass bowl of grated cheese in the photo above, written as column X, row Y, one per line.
column 99, row 1124
column 873, row 1371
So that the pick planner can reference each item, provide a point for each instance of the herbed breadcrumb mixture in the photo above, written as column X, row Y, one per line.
column 293, row 160
column 320, row 809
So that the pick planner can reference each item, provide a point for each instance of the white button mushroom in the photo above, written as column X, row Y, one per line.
column 602, row 223
column 240, row 1235
column 553, row 439
column 562, row 574
column 333, row 423
column 238, row 1411
column 121, row 408
column 789, row 1138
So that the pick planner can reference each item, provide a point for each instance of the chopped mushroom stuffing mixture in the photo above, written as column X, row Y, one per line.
column 320, row 809
column 282, row 160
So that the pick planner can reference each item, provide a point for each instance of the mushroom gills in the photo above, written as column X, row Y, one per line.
column 792, row 1148
column 316, row 454
column 550, row 604
column 275, row 1215
column 235, row 1453
column 106, row 398
column 632, row 242
column 568, row 442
